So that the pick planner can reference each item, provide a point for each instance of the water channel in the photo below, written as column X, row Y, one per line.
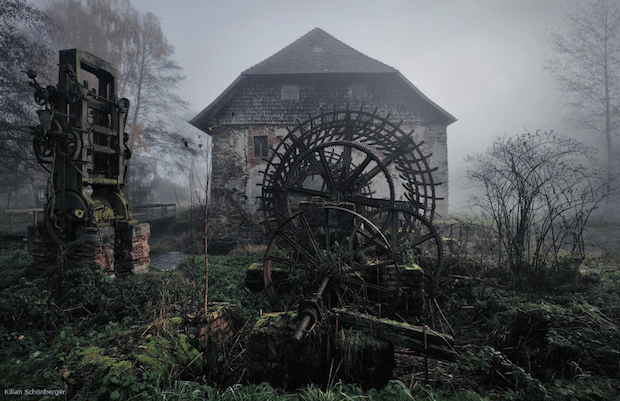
column 167, row 261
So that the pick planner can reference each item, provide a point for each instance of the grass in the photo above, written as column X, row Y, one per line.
column 100, row 338
column 226, row 280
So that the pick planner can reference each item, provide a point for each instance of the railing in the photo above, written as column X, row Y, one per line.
column 152, row 212
column 146, row 213
column 35, row 212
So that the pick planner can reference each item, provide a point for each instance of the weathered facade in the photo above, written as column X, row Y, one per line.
column 316, row 72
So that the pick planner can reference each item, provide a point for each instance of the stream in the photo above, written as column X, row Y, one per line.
column 167, row 261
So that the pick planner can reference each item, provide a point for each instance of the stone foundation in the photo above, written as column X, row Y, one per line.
column 230, row 226
column 118, row 251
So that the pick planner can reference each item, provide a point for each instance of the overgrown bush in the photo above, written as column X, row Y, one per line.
column 13, row 263
column 539, row 190
column 135, row 338
column 226, row 280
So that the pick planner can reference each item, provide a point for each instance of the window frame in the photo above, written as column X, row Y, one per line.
column 290, row 92
column 261, row 146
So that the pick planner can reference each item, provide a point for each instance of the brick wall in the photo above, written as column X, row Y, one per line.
column 102, row 246
column 140, row 249
column 222, row 322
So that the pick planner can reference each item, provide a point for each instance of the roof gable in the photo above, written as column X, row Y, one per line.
column 314, row 54
column 318, row 52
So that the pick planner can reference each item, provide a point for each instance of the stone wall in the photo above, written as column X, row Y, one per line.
column 255, row 109
column 229, row 225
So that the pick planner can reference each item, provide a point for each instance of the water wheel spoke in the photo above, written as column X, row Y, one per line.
column 362, row 268
column 355, row 174
column 349, row 289
column 307, row 191
column 346, row 164
column 421, row 239
column 327, row 236
column 288, row 262
column 347, row 296
column 278, row 283
column 367, row 201
column 321, row 168
column 385, row 162
column 311, row 237
column 356, row 295
column 371, row 238
column 327, row 173
column 298, row 247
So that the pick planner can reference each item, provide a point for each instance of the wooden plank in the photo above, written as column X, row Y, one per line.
column 23, row 211
column 438, row 345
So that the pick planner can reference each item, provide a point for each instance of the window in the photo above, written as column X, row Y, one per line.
column 260, row 146
column 290, row 92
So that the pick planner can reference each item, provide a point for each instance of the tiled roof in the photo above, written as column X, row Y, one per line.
column 318, row 52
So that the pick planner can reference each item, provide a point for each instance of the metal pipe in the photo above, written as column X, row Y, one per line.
column 305, row 321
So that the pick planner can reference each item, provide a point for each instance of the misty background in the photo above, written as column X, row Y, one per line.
column 479, row 60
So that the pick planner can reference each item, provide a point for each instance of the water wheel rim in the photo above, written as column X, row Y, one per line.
column 309, row 256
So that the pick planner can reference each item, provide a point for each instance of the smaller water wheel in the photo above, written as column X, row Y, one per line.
column 337, row 252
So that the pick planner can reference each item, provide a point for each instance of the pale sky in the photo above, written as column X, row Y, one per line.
column 480, row 60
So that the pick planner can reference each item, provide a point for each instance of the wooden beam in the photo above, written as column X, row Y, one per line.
column 438, row 345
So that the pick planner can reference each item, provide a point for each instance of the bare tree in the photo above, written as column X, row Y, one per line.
column 141, row 182
column 585, row 65
column 539, row 190
column 19, row 24
column 134, row 43
column 151, row 81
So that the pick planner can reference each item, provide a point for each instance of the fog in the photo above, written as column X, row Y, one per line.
column 479, row 60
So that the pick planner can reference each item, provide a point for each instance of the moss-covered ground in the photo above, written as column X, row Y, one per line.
column 86, row 336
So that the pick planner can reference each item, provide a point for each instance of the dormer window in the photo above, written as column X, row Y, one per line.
column 290, row 92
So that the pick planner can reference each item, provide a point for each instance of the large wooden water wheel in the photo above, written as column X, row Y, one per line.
column 349, row 198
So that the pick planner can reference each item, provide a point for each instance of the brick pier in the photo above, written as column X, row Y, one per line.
column 117, row 250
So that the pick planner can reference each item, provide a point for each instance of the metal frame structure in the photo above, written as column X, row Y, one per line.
column 82, row 143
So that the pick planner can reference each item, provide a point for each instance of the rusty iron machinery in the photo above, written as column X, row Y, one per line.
column 349, row 198
column 81, row 142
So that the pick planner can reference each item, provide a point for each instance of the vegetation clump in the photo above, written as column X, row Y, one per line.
column 143, row 337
